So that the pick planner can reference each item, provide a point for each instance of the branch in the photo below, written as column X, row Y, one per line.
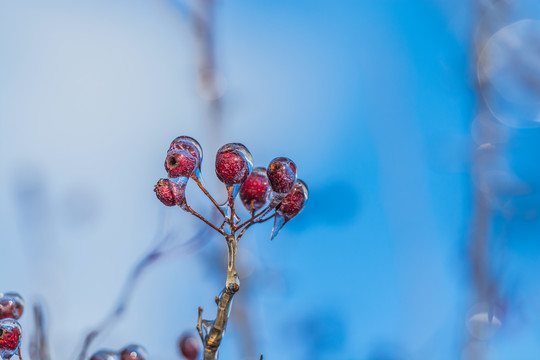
column 216, row 328
column 193, row 212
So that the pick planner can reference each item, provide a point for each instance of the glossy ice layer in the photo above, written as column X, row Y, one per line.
column 10, row 338
column 171, row 192
column 233, row 163
column 189, row 144
column 11, row 306
column 180, row 163
column 104, row 355
column 133, row 352
column 291, row 205
column 281, row 174
column 255, row 191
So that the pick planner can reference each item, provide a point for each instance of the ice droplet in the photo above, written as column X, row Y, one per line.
column 255, row 191
column 233, row 164
column 281, row 175
column 509, row 67
column 104, row 355
column 10, row 338
column 291, row 205
column 279, row 222
column 483, row 321
column 133, row 352
column 181, row 183
column 11, row 306
column 191, row 145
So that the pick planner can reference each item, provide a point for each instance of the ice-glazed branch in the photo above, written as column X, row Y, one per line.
column 196, row 214
column 216, row 329
column 253, row 219
column 199, row 324
column 203, row 188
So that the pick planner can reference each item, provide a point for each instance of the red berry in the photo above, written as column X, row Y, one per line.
column 180, row 163
column 255, row 190
column 189, row 144
column 281, row 174
column 295, row 201
column 169, row 192
column 133, row 352
column 104, row 355
column 10, row 337
column 11, row 306
column 189, row 347
column 233, row 163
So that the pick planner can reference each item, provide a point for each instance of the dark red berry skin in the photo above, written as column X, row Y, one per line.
column 294, row 202
column 9, row 339
column 133, row 352
column 189, row 347
column 11, row 306
column 169, row 193
column 255, row 190
column 231, row 168
column 281, row 174
column 189, row 144
column 180, row 163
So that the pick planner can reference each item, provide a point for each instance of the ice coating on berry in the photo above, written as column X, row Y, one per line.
column 295, row 201
column 190, row 144
column 11, row 306
column 281, row 174
column 171, row 193
column 104, row 355
column 255, row 191
column 133, row 352
column 189, row 347
column 10, row 338
column 291, row 205
column 180, row 163
column 233, row 164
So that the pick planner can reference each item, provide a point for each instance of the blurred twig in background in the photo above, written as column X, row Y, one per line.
column 492, row 179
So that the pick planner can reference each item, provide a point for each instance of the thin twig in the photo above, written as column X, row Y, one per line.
column 252, row 219
column 39, row 345
column 199, row 324
column 193, row 212
column 201, row 186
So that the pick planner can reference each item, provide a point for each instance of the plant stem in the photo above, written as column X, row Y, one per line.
column 216, row 329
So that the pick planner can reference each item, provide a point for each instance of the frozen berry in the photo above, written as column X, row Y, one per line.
column 233, row 163
column 255, row 190
column 281, row 174
column 10, row 338
column 180, row 163
column 11, row 306
column 169, row 192
column 295, row 201
column 104, row 355
column 189, row 144
column 133, row 352
column 189, row 347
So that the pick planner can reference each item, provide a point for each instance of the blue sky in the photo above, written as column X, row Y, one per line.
column 372, row 100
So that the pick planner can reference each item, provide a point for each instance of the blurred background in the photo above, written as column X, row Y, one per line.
column 414, row 124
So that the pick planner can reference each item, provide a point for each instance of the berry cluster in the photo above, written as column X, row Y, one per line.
column 130, row 352
column 273, row 192
column 277, row 187
column 11, row 309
